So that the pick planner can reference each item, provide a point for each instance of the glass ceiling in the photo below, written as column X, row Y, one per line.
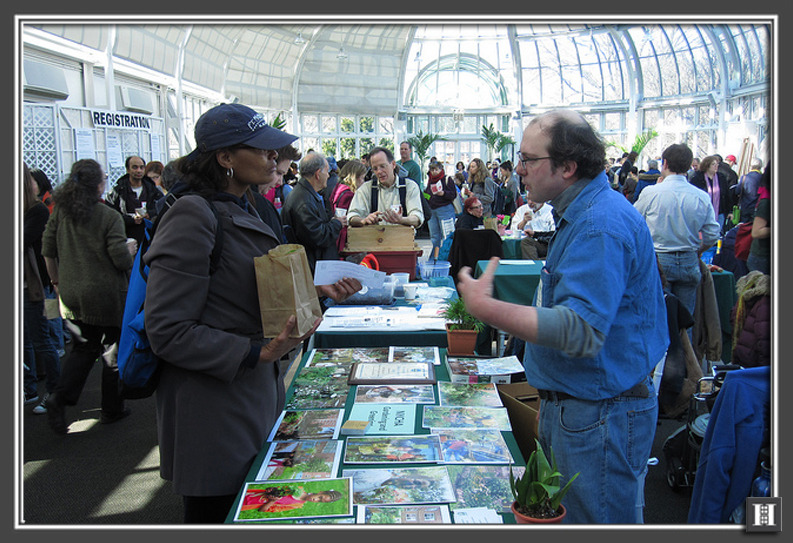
column 382, row 69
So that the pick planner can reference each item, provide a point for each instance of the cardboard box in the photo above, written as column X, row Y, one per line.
column 522, row 402
column 380, row 237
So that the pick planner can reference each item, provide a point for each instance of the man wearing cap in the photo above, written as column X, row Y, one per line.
column 306, row 219
column 388, row 191
column 221, row 389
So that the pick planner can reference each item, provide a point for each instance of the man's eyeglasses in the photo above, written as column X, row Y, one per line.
column 524, row 160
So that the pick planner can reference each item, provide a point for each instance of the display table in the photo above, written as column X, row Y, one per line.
column 441, row 374
column 423, row 332
column 515, row 280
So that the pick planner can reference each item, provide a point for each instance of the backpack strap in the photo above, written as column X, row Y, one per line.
column 401, row 186
column 373, row 198
column 403, row 189
column 151, row 229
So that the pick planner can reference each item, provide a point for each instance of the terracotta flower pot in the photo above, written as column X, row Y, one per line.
column 461, row 342
column 520, row 518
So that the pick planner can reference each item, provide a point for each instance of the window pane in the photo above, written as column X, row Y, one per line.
column 347, row 124
column 329, row 124
column 367, row 124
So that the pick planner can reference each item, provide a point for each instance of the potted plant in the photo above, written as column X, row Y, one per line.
column 538, row 495
column 462, row 328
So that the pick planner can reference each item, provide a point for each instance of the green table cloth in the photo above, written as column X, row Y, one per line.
column 515, row 280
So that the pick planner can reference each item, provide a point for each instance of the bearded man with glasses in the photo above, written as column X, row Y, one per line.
column 599, row 325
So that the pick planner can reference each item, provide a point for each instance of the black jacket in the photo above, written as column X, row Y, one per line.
column 307, row 222
column 725, row 195
column 269, row 214
column 124, row 200
column 466, row 221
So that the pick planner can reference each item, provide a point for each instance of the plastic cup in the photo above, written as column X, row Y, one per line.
column 410, row 291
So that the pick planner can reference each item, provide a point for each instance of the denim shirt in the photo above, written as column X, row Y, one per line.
column 601, row 265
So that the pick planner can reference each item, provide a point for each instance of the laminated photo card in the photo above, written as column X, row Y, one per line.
column 471, row 395
column 295, row 499
column 323, row 372
column 506, row 369
column 413, row 449
column 482, row 486
column 301, row 459
column 403, row 514
column 411, row 485
column 415, row 354
column 348, row 355
column 307, row 424
column 463, row 446
column 494, row 418
column 395, row 394
column 319, row 387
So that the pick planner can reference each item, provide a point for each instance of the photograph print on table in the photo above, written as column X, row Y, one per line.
column 301, row 459
column 411, row 485
column 482, row 486
column 307, row 424
column 437, row 416
column 403, row 514
column 395, row 394
column 464, row 446
column 414, row 354
column 295, row 499
column 412, row 449
column 347, row 355
column 469, row 394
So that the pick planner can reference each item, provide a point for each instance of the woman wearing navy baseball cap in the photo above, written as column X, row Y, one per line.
column 221, row 388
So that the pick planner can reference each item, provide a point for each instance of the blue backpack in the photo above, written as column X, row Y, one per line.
column 138, row 367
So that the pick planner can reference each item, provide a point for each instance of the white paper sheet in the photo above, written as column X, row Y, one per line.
column 328, row 272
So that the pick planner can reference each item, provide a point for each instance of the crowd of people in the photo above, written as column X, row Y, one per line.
column 589, row 350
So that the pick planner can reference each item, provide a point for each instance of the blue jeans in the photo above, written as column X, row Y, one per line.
column 436, row 230
column 608, row 442
column 56, row 324
column 39, row 347
column 681, row 270
column 756, row 263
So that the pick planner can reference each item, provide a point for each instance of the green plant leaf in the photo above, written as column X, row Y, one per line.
column 539, row 487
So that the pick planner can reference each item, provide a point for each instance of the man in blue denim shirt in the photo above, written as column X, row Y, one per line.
column 599, row 326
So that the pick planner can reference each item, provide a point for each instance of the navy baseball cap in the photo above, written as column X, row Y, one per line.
column 231, row 124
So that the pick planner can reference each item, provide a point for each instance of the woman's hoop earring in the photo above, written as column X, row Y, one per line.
column 230, row 172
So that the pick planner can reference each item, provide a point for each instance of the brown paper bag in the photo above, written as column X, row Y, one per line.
column 286, row 287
